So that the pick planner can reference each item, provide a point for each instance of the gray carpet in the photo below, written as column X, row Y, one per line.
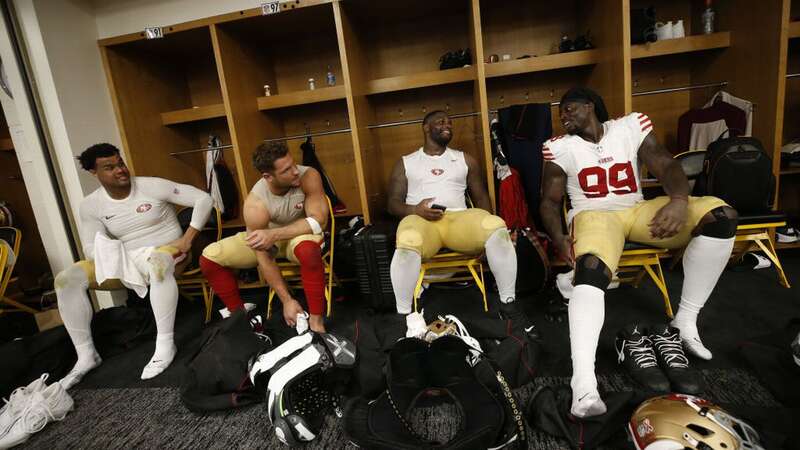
column 114, row 418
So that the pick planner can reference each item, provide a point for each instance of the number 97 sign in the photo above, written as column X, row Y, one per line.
column 273, row 7
column 597, row 182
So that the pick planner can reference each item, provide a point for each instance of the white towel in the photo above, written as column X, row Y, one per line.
column 113, row 262
column 212, row 187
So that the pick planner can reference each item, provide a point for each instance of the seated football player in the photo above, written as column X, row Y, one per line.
column 597, row 163
column 285, row 214
column 138, row 212
column 427, row 191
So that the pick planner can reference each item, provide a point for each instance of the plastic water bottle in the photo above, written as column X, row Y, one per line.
column 267, row 91
column 708, row 19
column 330, row 78
column 311, row 84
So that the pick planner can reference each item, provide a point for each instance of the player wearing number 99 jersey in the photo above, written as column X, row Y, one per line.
column 603, row 175
column 596, row 163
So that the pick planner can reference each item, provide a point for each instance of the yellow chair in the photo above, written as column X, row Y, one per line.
column 291, row 271
column 636, row 261
column 191, row 282
column 450, row 262
column 13, row 237
column 755, row 232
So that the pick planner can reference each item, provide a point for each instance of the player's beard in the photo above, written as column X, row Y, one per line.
column 441, row 139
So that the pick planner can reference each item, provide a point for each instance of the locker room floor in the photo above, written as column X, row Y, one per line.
column 115, row 409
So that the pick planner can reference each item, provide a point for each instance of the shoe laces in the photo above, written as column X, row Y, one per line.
column 16, row 401
column 641, row 351
column 671, row 348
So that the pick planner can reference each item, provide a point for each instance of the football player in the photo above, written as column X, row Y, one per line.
column 597, row 164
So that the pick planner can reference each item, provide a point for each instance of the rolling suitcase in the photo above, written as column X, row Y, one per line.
column 374, row 248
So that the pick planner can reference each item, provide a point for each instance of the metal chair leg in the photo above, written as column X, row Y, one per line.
column 773, row 256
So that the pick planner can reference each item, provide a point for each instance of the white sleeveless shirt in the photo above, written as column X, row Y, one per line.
column 283, row 209
column 442, row 177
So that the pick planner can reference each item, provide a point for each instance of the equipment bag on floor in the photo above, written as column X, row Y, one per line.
column 216, row 376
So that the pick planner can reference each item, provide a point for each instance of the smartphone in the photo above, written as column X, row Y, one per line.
column 439, row 207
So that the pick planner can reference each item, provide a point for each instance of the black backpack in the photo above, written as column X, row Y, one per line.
column 739, row 171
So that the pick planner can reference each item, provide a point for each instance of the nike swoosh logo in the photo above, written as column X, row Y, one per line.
column 584, row 396
column 528, row 330
column 110, row 217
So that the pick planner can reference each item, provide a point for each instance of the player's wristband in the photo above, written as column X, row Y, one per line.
column 316, row 228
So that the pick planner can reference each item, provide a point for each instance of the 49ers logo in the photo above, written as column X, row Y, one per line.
column 144, row 207
column 644, row 428
column 299, row 206
column 437, row 172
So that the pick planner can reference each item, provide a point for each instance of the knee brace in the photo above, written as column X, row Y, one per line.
column 410, row 240
column 591, row 270
column 160, row 265
column 73, row 275
column 722, row 224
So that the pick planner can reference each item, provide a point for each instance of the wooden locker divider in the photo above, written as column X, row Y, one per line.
column 367, row 150
column 480, row 99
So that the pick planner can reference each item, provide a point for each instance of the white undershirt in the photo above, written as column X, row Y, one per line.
column 146, row 218
column 441, row 177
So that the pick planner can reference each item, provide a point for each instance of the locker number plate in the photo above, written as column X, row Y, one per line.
column 153, row 32
column 273, row 7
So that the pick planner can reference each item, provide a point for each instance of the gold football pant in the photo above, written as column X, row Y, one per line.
column 603, row 233
column 461, row 231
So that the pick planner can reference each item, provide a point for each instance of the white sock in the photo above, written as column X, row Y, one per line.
column 502, row 259
column 164, row 300
column 703, row 262
column 404, row 271
column 586, row 316
column 76, row 312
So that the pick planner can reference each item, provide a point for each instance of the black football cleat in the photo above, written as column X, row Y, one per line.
column 635, row 352
column 669, row 353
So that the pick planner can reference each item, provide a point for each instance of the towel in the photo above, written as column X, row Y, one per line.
column 113, row 261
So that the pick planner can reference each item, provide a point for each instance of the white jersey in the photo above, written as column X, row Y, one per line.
column 602, row 176
column 442, row 177
column 145, row 218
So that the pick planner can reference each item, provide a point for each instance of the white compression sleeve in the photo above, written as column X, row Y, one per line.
column 703, row 262
column 76, row 312
column 74, row 306
column 503, row 262
column 185, row 195
column 164, row 300
column 404, row 271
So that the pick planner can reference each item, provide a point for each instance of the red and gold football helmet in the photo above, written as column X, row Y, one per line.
column 678, row 422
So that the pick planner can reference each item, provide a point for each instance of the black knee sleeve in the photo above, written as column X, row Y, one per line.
column 591, row 270
column 724, row 224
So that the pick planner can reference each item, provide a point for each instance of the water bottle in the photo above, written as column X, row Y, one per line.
column 708, row 19
column 267, row 92
column 311, row 84
column 330, row 78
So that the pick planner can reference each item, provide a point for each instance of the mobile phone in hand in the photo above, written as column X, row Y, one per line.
column 439, row 207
